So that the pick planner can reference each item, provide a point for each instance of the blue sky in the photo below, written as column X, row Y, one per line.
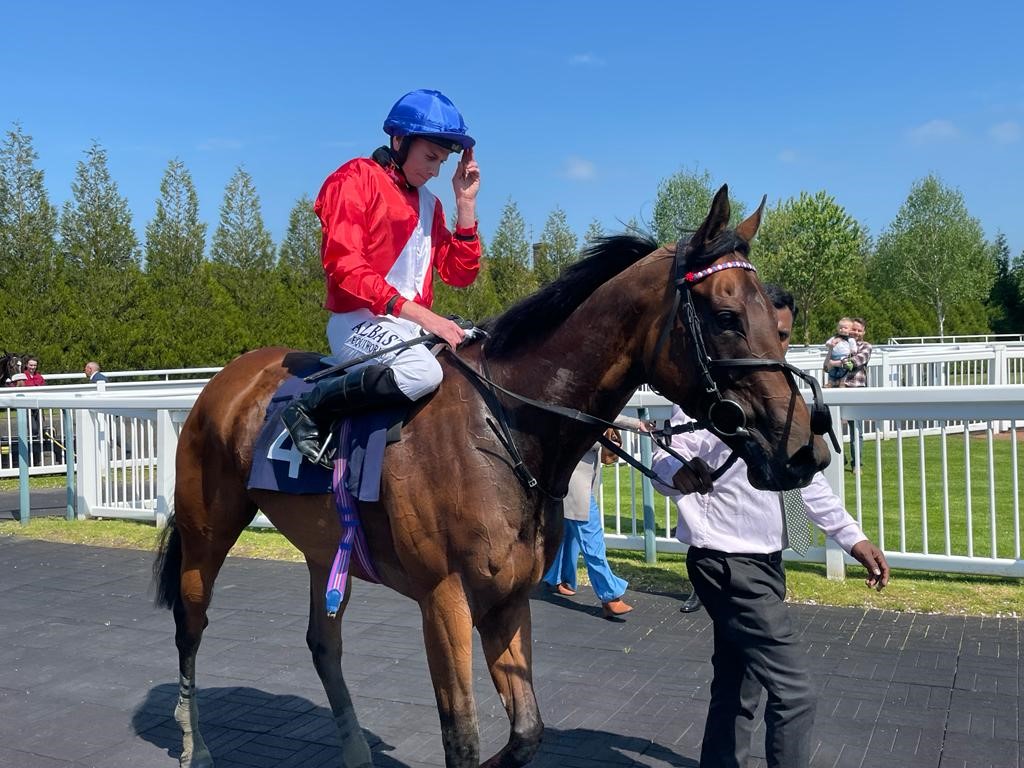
column 586, row 106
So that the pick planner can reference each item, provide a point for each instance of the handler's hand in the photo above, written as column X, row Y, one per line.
column 466, row 181
column 693, row 477
column 871, row 557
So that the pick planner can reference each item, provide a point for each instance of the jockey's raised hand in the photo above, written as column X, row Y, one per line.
column 466, row 183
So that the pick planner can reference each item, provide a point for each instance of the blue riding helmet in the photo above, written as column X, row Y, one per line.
column 429, row 115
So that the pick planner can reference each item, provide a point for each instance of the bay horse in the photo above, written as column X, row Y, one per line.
column 455, row 529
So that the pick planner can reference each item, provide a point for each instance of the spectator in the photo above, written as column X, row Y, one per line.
column 839, row 350
column 92, row 372
column 34, row 379
column 857, row 376
column 584, row 533
column 32, row 376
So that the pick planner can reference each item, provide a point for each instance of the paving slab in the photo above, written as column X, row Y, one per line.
column 88, row 676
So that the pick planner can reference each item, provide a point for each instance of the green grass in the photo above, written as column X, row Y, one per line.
column 884, row 529
column 36, row 481
column 908, row 591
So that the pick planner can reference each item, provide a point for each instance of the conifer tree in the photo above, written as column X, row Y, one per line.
column 177, row 293
column 242, row 261
column 510, row 257
column 300, row 314
column 559, row 246
column 101, row 250
column 28, row 268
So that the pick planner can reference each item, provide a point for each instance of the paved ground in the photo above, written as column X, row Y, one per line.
column 45, row 502
column 88, row 668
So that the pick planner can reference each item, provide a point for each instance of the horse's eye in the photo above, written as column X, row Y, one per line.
column 728, row 321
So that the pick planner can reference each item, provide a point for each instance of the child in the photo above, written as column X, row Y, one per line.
column 839, row 348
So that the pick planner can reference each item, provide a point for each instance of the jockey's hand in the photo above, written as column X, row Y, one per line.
column 466, row 181
column 693, row 477
column 871, row 557
column 445, row 329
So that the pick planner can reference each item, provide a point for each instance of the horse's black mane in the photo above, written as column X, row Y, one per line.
column 541, row 312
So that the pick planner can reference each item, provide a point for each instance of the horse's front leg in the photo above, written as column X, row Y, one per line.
column 448, row 637
column 506, row 636
column 324, row 640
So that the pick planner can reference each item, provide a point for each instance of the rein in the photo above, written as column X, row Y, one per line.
column 662, row 437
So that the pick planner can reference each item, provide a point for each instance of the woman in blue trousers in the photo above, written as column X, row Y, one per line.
column 584, row 534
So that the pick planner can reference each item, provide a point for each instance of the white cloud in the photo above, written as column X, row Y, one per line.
column 788, row 156
column 934, row 131
column 216, row 145
column 579, row 169
column 1006, row 132
column 586, row 60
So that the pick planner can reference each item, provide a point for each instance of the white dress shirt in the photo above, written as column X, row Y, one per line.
column 735, row 516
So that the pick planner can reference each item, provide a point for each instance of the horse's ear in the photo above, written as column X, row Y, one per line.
column 749, row 226
column 716, row 221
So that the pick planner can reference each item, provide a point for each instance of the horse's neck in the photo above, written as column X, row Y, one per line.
column 586, row 364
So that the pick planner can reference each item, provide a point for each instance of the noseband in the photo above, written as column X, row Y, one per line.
column 725, row 417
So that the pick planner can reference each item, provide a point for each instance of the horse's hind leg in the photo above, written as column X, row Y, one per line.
column 324, row 640
column 202, row 553
column 505, row 634
column 448, row 636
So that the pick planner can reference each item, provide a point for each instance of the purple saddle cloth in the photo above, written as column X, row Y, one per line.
column 277, row 466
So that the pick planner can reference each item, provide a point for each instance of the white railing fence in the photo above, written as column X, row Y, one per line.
column 939, row 487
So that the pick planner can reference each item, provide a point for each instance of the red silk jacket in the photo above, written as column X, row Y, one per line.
column 367, row 215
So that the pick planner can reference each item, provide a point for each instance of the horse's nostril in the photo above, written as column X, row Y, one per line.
column 802, row 458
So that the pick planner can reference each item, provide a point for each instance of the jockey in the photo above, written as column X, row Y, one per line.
column 384, row 234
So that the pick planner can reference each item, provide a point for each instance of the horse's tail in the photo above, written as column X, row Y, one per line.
column 167, row 567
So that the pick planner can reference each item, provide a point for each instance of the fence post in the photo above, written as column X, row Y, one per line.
column 88, row 461
column 647, row 493
column 25, row 509
column 166, row 451
column 836, row 477
column 69, row 459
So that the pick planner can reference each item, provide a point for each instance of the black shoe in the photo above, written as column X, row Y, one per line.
column 303, row 431
column 690, row 604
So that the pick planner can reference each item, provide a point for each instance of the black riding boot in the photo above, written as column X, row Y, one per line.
column 370, row 387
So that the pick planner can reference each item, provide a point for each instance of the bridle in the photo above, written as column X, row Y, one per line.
column 724, row 417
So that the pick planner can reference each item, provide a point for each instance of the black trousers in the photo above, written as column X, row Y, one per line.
column 755, row 648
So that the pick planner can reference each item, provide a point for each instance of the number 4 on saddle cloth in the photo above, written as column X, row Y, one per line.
column 361, row 439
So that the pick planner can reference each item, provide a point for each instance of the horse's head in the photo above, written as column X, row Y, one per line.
column 10, row 364
column 723, row 328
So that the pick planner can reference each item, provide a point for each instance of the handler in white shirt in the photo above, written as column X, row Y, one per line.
column 736, row 537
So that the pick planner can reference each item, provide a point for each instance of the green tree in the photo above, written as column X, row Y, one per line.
column 241, row 239
column 301, row 315
column 28, row 268
column 594, row 233
column 811, row 246
column 1006, row 299
column 683, row 202
column 242, row 259
column 101, row 251
column 934, row 252
column 558, row 248
column 28, row 222
column 476, row 302
column 96, row 224
column 177, row 295
column 510, row 257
